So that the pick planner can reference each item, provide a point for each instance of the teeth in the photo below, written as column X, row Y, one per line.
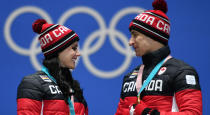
column 73, row 59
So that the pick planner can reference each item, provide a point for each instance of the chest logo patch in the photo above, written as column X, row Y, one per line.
column 45, row 78
column 162, row 70
column 134, row 74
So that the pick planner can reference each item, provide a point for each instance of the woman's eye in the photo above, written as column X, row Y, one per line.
column 134, row 35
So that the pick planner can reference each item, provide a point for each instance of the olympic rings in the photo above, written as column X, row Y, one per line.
column 86, row 50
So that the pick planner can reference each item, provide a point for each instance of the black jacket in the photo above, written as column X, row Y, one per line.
column 174, row 79
column 37, row 93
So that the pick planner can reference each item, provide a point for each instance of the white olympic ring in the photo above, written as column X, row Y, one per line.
column 86, row 49
column 32, row 52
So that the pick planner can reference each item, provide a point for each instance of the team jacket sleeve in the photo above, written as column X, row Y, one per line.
column 29, row 97
column 125, row 103
column 187, row 93
column 121, row 105
column 80, row 109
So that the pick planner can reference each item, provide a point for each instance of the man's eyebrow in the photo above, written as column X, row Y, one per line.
column 133, row 32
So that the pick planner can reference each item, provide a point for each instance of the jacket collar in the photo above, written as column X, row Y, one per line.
column 153, row 58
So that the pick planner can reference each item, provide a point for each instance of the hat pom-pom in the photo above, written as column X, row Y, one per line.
column 160, row 5
column 37, row 25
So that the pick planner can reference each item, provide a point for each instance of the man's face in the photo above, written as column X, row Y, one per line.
column 140, row 43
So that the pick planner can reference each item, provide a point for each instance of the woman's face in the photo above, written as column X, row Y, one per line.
column 69, row 56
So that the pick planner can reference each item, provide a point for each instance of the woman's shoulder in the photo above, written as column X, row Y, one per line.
column 34, row 76
column 31, row 87
column 34, row 79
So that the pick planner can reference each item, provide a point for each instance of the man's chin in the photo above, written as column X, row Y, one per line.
column 137, row 54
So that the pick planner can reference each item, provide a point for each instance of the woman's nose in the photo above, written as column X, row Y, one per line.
column 78, row 53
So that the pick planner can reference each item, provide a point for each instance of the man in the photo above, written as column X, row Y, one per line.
column 169, row 86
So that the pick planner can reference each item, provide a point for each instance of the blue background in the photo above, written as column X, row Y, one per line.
column 189, row 42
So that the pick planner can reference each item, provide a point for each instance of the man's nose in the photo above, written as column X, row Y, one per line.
column 131, row 41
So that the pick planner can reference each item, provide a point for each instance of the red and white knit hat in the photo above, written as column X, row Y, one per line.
column 153, row 23
column 53, row 38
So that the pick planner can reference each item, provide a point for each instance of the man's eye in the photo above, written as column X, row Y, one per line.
column 74, row 48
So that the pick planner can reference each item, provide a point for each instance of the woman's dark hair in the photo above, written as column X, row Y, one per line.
column 63, row 78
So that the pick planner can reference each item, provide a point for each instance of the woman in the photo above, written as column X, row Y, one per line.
column 53, row 90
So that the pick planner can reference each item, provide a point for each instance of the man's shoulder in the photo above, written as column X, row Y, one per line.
column 179, row 64
column 176, row 66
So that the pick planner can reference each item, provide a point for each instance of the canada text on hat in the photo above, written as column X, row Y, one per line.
column 153, row 23
column 53, row 38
